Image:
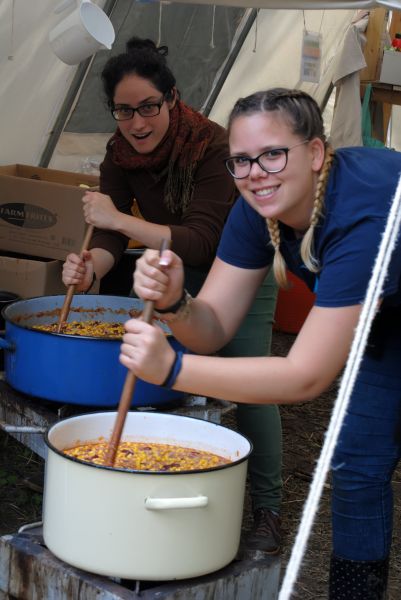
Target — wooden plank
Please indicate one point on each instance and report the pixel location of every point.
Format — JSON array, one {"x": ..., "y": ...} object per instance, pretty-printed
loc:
[
  {"x": 19, "y": 409},
  {"x": 374, "y": 44},
  {"x": 386, "y": 116},
  {"x": 28, "y": 570},
  {"x": 251, "y": 580},
  {"x": 31, "y": 571},
  {"x": 395, "y": 25},
  {"x": 23, "y": 410},
  {"x": 389, "y": 94}
]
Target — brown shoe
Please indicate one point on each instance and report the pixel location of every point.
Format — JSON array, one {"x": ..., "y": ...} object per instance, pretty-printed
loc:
[{"x": 266, "y": 534}]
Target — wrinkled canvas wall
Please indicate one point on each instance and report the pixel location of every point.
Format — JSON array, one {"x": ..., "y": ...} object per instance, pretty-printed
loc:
[
  {"x": 270, "y": 55},
  {"x": 34, "y": 82}
]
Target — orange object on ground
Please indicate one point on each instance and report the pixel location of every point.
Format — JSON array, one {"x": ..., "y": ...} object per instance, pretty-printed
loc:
[{"x": 293, "y": 305}]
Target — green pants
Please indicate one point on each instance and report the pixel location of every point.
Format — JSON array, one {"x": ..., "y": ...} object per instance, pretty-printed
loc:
[{"x": 260, "y": 423}]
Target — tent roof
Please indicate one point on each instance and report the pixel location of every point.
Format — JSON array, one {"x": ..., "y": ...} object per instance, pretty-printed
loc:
[{"x": 301, "y": 4}]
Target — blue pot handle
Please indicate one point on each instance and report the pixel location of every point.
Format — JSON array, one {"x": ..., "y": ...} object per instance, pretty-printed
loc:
[{"x": 7, "y": 345}]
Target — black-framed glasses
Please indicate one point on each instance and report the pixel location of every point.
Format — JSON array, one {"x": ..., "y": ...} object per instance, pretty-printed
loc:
[
  {"x": 271, "y": 161},
  {"x": 123, "y": 112}
]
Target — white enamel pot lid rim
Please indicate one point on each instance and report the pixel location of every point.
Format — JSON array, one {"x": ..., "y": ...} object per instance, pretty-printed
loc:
[{"x": 232, "y": 463}]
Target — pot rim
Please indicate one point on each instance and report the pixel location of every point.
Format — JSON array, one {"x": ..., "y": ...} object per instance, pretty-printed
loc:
[
  {"x": 8, "y": 319},
  {"x": 6, "y": 296},
  {"x": 141, "y": 471}
]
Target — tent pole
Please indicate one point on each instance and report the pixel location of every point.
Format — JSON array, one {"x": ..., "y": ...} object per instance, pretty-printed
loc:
[
  {"x": 64, "y": 113},
  {"x": 224, "y": 70},
  {"x": 65, "y": 110}
]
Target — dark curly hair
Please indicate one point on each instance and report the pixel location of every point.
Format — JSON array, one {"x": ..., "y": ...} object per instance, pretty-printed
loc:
[{"x": 142, "y": 58}]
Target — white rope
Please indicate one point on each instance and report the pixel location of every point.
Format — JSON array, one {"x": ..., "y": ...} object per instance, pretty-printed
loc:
[
  {"x": 211, "y": 45},
  {"x": 159, "y": 37},
  {"x": 367, "y": 315},
  {"x": 12, "y": 40},
  {"x": 256, "y": 31}
]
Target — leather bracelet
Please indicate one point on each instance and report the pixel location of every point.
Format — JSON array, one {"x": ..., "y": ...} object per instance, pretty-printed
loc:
[
  {"x": 174, "y": 307},
  {"x": 180, "y": 310},
  {"x": 174, "y": 371}
]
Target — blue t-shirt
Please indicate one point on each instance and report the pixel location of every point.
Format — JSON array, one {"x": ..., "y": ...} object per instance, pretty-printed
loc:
[{"x": 359, "y": 193}]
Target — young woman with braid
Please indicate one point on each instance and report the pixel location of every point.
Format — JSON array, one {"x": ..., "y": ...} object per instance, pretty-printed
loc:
[
  {"x": 325, "y": 213},
  {"x": 170, "y": 158}
]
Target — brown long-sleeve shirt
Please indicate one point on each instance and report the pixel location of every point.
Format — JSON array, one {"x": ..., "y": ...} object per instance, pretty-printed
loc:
[{"x": 196, "y": 233}]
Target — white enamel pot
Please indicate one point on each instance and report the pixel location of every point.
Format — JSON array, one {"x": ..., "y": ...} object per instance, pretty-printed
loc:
[{"x": 144, "y": 525}]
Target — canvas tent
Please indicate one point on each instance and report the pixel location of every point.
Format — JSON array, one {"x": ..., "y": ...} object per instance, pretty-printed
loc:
[{"x": 53, "y": 114}]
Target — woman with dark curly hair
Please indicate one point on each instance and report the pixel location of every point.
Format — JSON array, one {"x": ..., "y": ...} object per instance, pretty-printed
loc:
[{"x": 164, "y": 159}]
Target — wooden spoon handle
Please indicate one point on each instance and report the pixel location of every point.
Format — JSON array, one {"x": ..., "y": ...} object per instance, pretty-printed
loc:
[
  {"x": 129, "y": 386},
  {"x": 125, "y": 400},
  {"x": 71, "y": 288}
]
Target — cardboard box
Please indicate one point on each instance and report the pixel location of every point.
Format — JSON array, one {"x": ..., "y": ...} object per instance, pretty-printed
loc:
[
  {"x": 29, "y": 276},
  {"x": 391, "y": 67},
  {"x": 41, "y": 210}
]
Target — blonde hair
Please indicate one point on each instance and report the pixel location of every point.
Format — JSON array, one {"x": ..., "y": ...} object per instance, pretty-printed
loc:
[{"x": 310, "y": 261}]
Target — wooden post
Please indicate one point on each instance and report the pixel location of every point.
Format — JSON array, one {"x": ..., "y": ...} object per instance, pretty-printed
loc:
[
  {"x": 373, "y": 51},
  {"x": 374, "y": 44},
  {"x": 395, "y": 25}
]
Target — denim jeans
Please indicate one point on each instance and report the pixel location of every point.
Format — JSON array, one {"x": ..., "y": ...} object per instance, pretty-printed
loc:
[{"x": 366, "y": 455}]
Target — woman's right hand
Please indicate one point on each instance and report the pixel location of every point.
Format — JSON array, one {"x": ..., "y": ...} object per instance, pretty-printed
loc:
[
  {"x": 99, "y": 210},
  {"x": 78, "y": 271},
  {"x": 160, "y": 279}
]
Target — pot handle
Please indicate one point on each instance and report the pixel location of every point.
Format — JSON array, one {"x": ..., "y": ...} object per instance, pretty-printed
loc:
[
  {"x": 6, "y": 345},
  {"x": 21, "y": 428},
  {"x": 168, "y": 503}
]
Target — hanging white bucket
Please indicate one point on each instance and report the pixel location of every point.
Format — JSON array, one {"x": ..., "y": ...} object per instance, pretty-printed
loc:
[{"x": 82, "y": 33}]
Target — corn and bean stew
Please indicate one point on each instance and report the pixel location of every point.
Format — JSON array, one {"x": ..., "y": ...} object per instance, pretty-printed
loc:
[
  {"x": 91, "y": 328},
  {"x": 143, "y": 456}
]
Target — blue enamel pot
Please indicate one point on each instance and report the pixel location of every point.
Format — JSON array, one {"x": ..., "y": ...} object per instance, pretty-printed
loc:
[{"x": 73, "y": 369}]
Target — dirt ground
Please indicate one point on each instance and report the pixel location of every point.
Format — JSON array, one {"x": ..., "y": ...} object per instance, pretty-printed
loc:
[{"x": 21, "y": 480}]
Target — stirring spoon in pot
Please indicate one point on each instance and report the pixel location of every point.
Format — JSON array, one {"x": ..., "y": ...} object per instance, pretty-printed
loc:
[
  {"x": 71, "y": 288},
  {"x": 129, "y": 386}
]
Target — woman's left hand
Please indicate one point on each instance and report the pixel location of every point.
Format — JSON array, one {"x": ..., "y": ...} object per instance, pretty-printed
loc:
[
  {"x": 146, "y": 352},
  {"x": 99, "y": 210}
]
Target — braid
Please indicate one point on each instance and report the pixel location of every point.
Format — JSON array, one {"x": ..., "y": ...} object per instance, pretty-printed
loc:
[
  {"x": 307, "y": 243},
  {"x": 279, "y": 267}
]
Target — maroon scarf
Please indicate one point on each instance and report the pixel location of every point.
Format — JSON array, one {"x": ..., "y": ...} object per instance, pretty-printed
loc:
[{"x": 178, "y": 154}]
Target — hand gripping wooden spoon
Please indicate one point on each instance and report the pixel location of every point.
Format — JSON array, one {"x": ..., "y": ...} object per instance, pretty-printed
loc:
[{"x": 129, "y": 386}]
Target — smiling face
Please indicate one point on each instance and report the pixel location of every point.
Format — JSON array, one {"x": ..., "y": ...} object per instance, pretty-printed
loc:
[
  {"x": 144, "y": 134},
  {"x": 288, "y": 195}
]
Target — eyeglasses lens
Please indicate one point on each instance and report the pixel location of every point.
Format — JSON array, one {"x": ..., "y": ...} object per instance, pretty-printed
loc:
[
  {"x": 127, "y": 112},
  {"x": 272, "y": 161}
]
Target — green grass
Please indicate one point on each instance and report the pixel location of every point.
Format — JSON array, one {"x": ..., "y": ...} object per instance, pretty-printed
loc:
[{"x": 21, "y": 482}]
